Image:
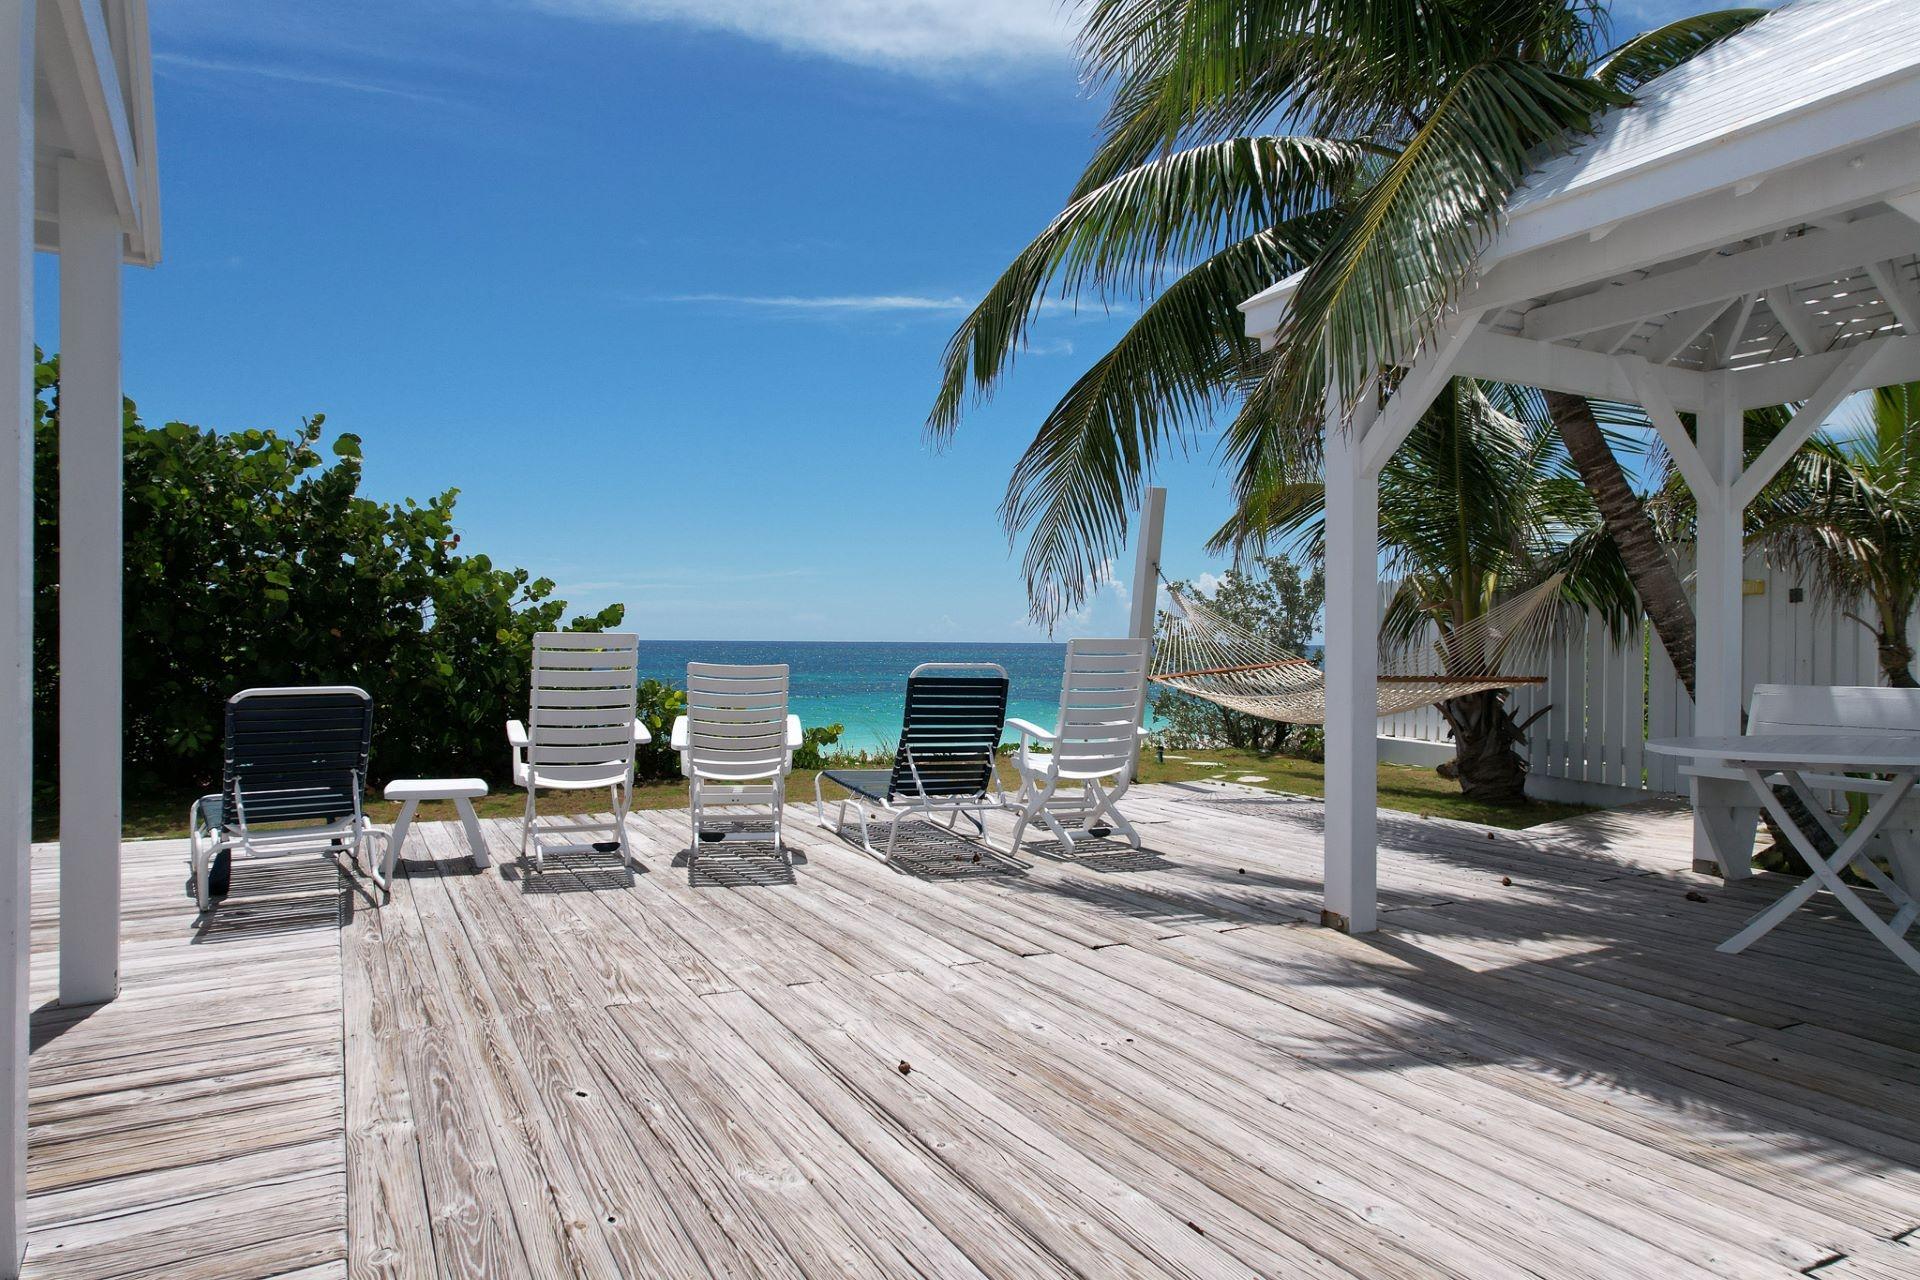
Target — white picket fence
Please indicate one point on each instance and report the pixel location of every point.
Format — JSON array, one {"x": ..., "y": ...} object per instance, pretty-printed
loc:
[{"x": 1604, "y": 702}]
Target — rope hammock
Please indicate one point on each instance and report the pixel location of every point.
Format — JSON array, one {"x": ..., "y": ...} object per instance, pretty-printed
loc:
[{"x": 1204, "y": 654}]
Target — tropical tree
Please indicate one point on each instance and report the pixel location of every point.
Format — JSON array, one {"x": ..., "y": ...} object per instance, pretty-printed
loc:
[
  {"x": 1479, "y": 504},
  {"x": 1272, "y": 597},
  {"x": 1371, "y": 144},
  {"x": 1848, "y": 510}
]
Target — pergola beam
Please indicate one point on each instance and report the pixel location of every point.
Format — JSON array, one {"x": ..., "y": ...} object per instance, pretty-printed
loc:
[
  {"x": 1652, "y": 397},
  {"x": 1854, "y": 371},
  {"x": 1728, "y": 276},
  {"x": 1417, "y": 391},
  {"x": 1786, "y": 309},
  {"x": 1903, "y": 298},
  {"x": 1500, "y": 357}
]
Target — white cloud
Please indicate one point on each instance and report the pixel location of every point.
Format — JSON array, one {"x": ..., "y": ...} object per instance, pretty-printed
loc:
[
  {"x": 183, "y": 63},
  {"x": 940, "y": 37},
  {"x": 1207, "y": 583},
  {"x": 830, "y": 302}
]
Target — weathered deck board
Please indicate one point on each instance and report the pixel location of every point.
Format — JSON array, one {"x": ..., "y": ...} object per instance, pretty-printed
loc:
[
  {"x": 194, "y": 1127},
  {"x": 1111, "y": 1064}
]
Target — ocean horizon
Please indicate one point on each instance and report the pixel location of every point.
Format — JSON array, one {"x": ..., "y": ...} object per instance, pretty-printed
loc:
[{"x": 862, "y": 684}]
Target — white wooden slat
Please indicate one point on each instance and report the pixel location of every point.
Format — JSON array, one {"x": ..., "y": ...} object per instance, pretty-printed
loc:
[
  {"x": 581, "y": 698},
  {"x": 744, "y": 672},
  {"x": 575, "y": 679},
  {"x": 581, "y": 717},
  {"x": 586, "y": 640}
]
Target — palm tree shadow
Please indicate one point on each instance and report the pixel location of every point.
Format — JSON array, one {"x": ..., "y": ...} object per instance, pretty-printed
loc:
[{"x": 1578, "y": 970}]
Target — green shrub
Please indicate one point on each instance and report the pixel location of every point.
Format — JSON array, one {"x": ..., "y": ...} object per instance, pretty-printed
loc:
[
  {"x": 252, "y": 559},
  {"x": 814, "y": 743},
  {"x": 659, "y": 704}
]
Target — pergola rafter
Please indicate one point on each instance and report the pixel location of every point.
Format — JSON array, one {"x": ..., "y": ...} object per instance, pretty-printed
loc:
[{"x": 1747, "y": 235}]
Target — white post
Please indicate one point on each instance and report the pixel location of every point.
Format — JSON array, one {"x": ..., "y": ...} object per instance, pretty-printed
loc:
[
  {"x": 1352, "y": 637},
  {"x": 16, "y": 606},
  {"x": 1718, "y": 572},
  {"x": 1146, "y": 564},
  {"x": 1146, "y": 573},
  {"x": 90, "y": 571}
]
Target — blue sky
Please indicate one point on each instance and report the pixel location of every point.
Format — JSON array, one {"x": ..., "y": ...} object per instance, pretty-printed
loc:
[{"x": 660, "y": 285}]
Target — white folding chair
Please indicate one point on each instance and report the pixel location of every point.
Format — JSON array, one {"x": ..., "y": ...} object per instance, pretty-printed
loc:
[
  {"x": 1094, "y": 747},
  {"x": 736, "y": 745},
  {"x": 579, "y": 735}
]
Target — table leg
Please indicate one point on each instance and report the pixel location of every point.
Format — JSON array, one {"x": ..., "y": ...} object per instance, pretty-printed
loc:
[
  {"x": 1826, "y": 872},
  {"x": 476, "y": 841},
  {"x": 398, "y": 836}
]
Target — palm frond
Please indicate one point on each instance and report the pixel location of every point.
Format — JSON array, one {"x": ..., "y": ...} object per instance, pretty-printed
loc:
[
  {"x": 1655, "y": 52},
  {"x": 1170, "y": 210},
  {"x": 1408, "y": 248},
  {"x": 1079, "y": 480}
]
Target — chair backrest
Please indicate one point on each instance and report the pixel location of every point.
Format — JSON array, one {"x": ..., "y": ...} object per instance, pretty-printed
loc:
[
  {"x": 580, "y": 708},
  {"x": 736, "y": 720},
  {"x": 294, "y": 754},
  {"x": 1102, "y": 698},
  {"x": 1801, "y": 708},
  {"x": 956, "y": 714}
]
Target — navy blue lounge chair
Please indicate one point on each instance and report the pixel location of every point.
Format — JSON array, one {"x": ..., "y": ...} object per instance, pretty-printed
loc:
[
  {"x": 944, "y": 765},
  {"x": 292, "y": 782}
]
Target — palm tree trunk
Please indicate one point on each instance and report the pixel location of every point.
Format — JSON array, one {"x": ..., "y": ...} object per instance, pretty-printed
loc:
[
  {"x": 1485, "y": 763},
  {"x": 1657, "y": 580},
  {"x": 1654, "y": 574},
  {"x": 1896, "y": 650}
]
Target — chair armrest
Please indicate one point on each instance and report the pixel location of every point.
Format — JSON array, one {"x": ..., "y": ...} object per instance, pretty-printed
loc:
[
  {"x": 641, "y": 734},
  {"x": 197, "y": 816},
  {"x": 794, "y": 735},
  {"x": 517, "y": 735},
  {"x": 678, "y": 739},
  {"x": 1028, "y": 729}
]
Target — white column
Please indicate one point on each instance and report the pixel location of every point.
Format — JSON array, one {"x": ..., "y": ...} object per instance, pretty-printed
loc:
[
  {"x": 1351, "y": 661},
  {"x": 16, "y": 603},
  {"x": 90, "y": 571},
  {"x": 1718, "y": 573}
]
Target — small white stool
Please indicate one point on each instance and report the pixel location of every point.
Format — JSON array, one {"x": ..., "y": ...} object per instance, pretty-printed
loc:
[{"x": 411, "y": 791}]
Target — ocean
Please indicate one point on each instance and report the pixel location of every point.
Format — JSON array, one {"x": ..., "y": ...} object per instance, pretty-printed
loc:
[{"x": 863, "y": 685}]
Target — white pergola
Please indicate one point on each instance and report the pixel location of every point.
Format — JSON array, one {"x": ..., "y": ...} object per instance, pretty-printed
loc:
[
  {"x": 1745, "y": 235},
  {"x": 77, "y": 145}
]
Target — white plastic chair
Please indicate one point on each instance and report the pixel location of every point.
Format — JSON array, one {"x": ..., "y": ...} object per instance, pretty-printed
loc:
[
  {"x": 736, "y": 745},
  {"x": 580, "y": 733},
  {"x": 1096, "y": 745}
]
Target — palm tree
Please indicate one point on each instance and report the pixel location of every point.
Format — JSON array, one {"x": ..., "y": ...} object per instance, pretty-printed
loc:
[
  {"x": 1848, "y": 509},
  {"x": 1372, "y": 143},
  {"x": 1481, "y": 503}
]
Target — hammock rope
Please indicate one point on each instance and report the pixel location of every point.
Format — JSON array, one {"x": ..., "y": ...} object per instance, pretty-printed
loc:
[{"x": 1209, "y": 656}]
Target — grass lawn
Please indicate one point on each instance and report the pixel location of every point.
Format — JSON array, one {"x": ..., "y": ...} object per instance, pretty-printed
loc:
[{"x": 1407, "y": 789}]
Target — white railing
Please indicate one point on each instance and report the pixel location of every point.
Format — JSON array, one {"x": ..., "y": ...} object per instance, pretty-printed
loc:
[{"x": 1606, "y": 698}]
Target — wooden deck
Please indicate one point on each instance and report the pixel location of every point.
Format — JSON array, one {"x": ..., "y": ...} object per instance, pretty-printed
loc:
[{"x": 1125, "y": 1065}]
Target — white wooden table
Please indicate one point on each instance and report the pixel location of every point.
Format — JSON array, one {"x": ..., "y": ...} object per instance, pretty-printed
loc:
[
  {"x": 411, "y": 791},
  {"x": 1764, "y": 759}
]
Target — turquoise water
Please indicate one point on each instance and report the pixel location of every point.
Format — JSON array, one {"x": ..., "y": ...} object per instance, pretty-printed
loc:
[{"x": 863, "y": 686}]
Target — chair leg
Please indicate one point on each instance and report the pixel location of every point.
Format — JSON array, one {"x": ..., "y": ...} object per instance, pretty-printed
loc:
[{"x": 622, "y": 804}]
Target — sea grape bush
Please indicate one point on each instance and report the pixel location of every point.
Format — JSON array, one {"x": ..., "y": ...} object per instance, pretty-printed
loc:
[
  {"x": 1277, "y": 600},
  {"x": 253, "y": 559}
]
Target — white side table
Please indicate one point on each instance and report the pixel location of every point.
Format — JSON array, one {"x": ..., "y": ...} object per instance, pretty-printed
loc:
[{"x": 411, "y": 791}]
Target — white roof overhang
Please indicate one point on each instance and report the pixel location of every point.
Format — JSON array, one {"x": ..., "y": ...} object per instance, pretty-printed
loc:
[
  {"x": 1757, "y": 213},
  {"x": 93, "y": 83}
]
